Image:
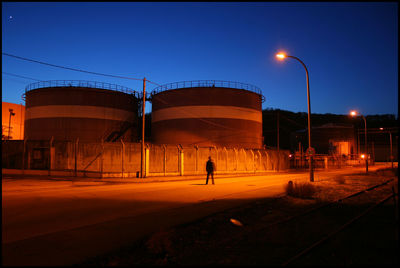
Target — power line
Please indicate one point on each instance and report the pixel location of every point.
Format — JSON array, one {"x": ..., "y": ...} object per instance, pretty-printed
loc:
[
  {"x": 14, "y": 80},
  {"x": 25, "y": 77},
  {"x": 77, "y": 70},
  {"x": 68, "y": 68}
]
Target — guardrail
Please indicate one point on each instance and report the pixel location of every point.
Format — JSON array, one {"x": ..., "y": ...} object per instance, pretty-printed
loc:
[
  {"x": 207, "y": 83},
  {"x": 80, "y": 83}
]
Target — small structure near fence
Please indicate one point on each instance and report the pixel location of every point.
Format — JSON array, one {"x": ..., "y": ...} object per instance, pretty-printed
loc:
[
  {"x": 122, "y": 159},
  {"x": 299, "y": 160}
]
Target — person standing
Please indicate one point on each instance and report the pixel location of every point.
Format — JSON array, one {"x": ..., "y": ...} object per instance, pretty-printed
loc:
[{"x": 210, "y": 168}]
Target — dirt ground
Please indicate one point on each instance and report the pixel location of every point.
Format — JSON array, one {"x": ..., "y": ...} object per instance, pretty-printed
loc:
[{"x": 247, "y": 235}]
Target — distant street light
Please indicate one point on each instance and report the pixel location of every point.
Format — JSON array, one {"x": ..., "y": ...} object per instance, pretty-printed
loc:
[
  {"x": 282, "y": 56},
  {"x": 354, "y": 113},
  {"x": 391, "y": 150},
  {"x": 9, "y": 123}
]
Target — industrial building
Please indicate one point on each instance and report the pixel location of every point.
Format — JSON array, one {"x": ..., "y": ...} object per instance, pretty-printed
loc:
[
  {"x": 12, "y": 121},
  {"x": 332, "y": 139}
]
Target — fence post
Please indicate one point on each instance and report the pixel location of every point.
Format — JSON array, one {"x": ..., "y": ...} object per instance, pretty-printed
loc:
[
  {"x": 146, "y": 161},
  {"x": 122, "y": 157},
  {"x": 279, "y": 160},
  {"x": 236, "y": 159},
  {"x": 196, "y": 159},
  {"x": 51, "y": 153},
  {"x": 254, "y": 161},
  {"x": 76, "y": 156},
  {"x": 245, "y": 159},
  {"x": 180, "y": 160},
  {"x": 226, "y": 159},
  {"x": 165, "y": 159},
  {"x": 101, "y": 158},
  {"x": 23, "y": 156},
  {"x": 216, "y": 160}
]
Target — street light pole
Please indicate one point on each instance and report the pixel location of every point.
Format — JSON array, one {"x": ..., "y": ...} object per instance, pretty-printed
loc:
[
  {"x": 366, "y": 144},
  {"x": 354, "y": 113},
  {"x": 310, "y": 153}
]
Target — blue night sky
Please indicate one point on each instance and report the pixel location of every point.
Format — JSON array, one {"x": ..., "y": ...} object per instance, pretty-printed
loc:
[{"x": 350, "y": 48}]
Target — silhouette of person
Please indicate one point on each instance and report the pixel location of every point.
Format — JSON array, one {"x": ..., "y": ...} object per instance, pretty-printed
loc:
[{"x": 210, "y": 168}]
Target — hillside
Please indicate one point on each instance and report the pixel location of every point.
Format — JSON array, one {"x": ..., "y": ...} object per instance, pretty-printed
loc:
[{"x": 290, "y": 122}]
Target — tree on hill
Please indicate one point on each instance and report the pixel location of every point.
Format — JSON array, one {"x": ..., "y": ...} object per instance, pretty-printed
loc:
[{"x": 290, "y": 122}]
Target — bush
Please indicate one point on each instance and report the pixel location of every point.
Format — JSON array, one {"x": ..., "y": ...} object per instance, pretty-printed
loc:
[
  {"x": 301, "y": 190},
  {"x": 340, "y": 180},
  {"x": 160, "y": 243}
]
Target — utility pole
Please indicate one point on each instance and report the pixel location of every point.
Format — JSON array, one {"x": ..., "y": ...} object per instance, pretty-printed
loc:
[{"x": 142, "y": 167}]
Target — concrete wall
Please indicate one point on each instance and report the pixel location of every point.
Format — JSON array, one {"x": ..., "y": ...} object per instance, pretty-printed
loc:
[{"x": 124, "y": 159}]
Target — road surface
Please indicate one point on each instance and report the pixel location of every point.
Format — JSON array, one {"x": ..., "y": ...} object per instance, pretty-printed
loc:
[{"x": 63, "y": 221}]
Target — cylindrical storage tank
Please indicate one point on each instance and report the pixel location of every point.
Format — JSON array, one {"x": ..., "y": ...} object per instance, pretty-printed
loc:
[
  {"x": 84, "y": 110},
  {"x": 207, "y": 113}
]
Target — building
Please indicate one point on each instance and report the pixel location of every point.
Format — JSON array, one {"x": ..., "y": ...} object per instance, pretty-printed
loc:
[
  {"x": 12, "y": 127},
  {"x": 332, "y": 139}
]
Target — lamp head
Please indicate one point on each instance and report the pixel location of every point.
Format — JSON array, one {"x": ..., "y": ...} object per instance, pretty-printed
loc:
[
  {"x": 353, "y": 113},
  {"x": 281, "y": 56}
]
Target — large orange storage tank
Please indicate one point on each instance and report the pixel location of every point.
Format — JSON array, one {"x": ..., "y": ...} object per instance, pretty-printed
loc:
[
  {"x": 90, "y": 111},
  {"x": 207, "y": 113}
]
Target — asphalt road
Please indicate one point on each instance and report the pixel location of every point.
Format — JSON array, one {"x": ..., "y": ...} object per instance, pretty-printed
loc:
[{"x": 63, "y": 221}]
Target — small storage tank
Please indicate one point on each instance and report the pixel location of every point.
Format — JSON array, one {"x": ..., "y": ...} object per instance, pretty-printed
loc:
[
  {"x": 90, "y": 111},
  {"x": 207, "y": 113}
]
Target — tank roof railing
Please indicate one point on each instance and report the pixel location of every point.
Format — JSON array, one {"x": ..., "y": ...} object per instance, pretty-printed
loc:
[
  {"x": 207, "y": 83},
  {"x": 80, "y": 83}
]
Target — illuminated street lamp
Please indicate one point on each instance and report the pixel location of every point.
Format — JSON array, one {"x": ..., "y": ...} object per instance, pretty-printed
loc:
[
  {"x": 391, "y": 150},
  {"x": 282, "y": 56},
  {"x": 354, "y": 113},
  {"x": 9, "y": 123}
]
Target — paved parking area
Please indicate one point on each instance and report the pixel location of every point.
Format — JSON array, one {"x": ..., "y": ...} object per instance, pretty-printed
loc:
[{"x": 62, "y": 221}]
